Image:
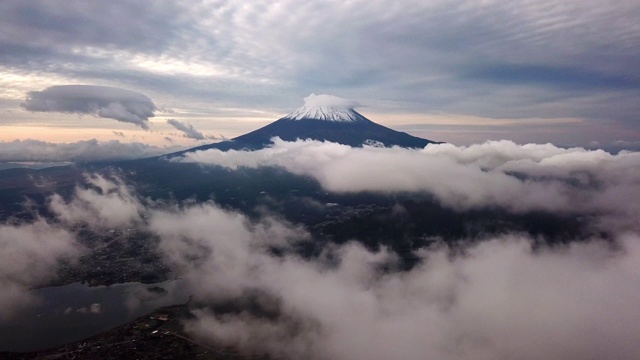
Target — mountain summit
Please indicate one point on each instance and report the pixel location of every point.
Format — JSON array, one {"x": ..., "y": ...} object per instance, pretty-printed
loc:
[
  {"x": 328, "y": 108},
  {"x": 323, "y": 118}
]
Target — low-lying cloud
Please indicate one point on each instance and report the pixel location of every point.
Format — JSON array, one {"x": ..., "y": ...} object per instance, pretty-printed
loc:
[
  {"x": 501, "y": 298},
  {"x": 507, "y": 296},
  {"x": 29, "y": 256},
  {"x": 86, "y": 150},
  {"x": 104, "y": 202},
  {"x": 31, "y": 252},
  {"x": 100, "y": 101},
  {"x": 188, "y": 130},
  {"x": 494, "y": 174}
]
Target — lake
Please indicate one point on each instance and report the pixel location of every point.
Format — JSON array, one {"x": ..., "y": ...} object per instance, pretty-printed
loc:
[{"x": 76, "y": 311}]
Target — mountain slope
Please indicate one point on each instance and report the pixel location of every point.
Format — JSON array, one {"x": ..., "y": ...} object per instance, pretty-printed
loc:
[{"x": 322, "y": 118}]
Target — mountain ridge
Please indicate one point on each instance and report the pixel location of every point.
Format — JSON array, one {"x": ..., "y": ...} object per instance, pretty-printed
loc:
[{"x": 322, "y": 118}]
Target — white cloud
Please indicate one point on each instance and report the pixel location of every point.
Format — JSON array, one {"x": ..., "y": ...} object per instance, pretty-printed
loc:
[
  {"x": 29, "y": 256},
  {"x": 503, "y": 174},
  {"x": 497, "y": 299},
  {"x": 105, "y": 203},
  {"x": 30, "y": 252},
  {"x": 326, "y": 107},
  {"x": 500, "y": 300},
  {"x": 330, "y": 101},
  {"x": 101, "y": 101}
]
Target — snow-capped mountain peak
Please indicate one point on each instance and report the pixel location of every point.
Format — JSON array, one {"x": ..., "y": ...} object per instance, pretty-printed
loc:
[
  {"x": 322, "y": 118},
  {"x": 328, "y": 108},
  {"x": 324, "y": 113}
]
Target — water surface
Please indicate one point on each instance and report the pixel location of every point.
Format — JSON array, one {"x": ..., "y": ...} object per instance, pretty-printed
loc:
[{"x": 76, "y": 311}]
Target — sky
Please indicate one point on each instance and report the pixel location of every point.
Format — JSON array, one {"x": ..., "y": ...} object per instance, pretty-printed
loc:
[{"x": 169, "y": 74}]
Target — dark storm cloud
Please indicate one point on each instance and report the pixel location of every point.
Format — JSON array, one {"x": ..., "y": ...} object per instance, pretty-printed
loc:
[{"x": 101, "y": 101}]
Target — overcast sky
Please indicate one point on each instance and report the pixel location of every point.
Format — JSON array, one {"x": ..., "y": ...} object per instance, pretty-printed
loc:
[{"x": 457, "y": 71}]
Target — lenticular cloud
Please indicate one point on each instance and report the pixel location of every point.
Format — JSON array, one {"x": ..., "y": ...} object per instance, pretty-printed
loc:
[
  {"x": 101, "y": 101},
  {"x": 330, "y": 101}
]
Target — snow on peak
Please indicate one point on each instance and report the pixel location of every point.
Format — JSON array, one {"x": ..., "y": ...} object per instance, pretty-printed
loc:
[
  {"x": 324, "y": 100},
  {"x": 326, "y": 107}
]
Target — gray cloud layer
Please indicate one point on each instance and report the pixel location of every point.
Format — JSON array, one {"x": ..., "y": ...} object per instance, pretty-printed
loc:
[
  {"x": 89, "y": 150},
  {"x": 494, "y": 59},
  {"x": 101, "y": 101},
  {"x": 30, "y": 253}
]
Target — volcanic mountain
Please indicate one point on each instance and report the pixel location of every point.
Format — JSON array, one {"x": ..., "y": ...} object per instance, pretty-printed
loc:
[{"x": 324, "y": 118}]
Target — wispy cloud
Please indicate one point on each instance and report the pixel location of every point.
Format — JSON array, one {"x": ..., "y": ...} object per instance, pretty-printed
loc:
[{"x": 188, "y": 130}]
